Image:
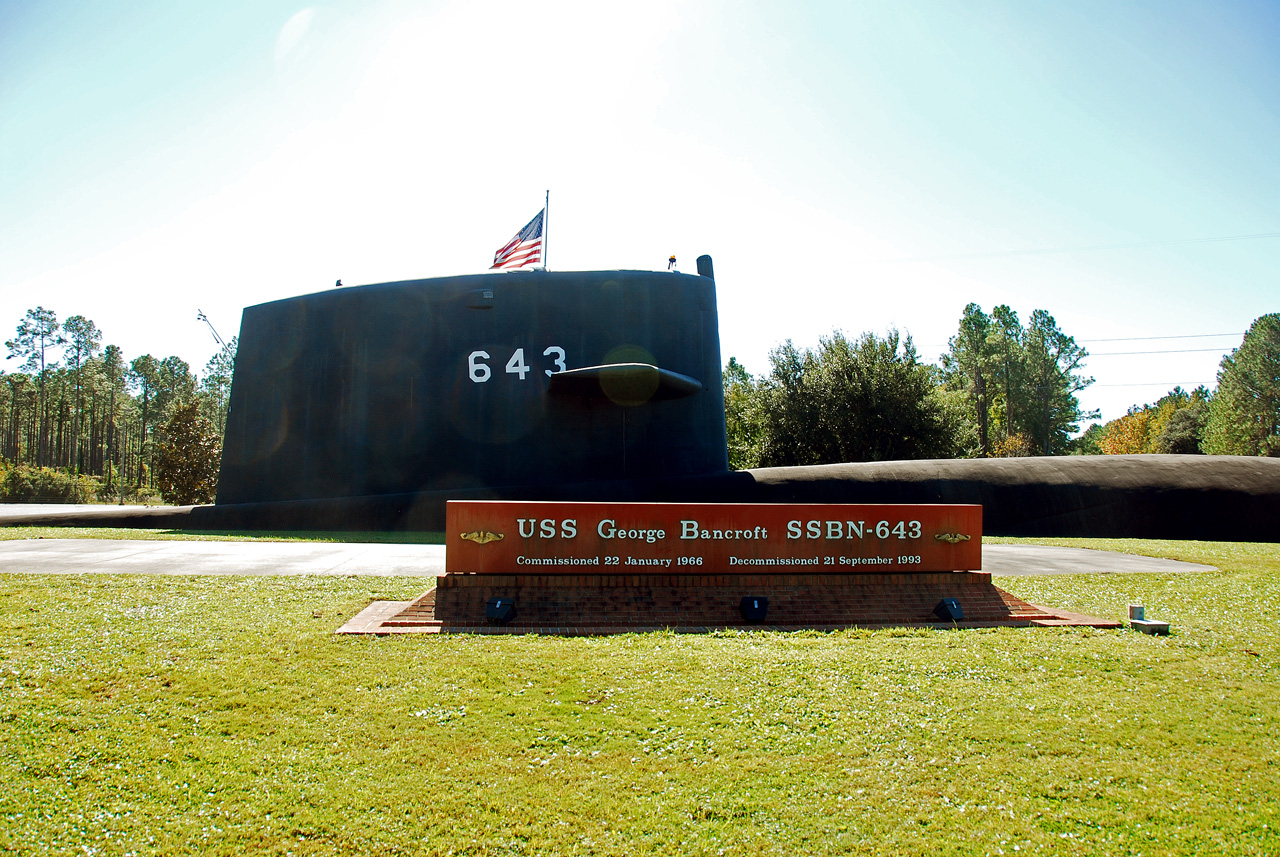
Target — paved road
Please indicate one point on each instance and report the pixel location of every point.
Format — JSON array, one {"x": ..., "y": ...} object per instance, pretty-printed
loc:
[{"x": 106, "y": 556}]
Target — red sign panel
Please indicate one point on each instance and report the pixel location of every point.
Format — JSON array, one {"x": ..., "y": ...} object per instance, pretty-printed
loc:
[{"x": 522, "y": 537}]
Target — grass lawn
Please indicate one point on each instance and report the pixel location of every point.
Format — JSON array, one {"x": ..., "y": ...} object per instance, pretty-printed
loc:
[{"x": 221, "y": 715}]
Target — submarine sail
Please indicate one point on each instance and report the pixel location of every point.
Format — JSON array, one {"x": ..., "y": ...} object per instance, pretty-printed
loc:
[{"x": 511, "y": 380}]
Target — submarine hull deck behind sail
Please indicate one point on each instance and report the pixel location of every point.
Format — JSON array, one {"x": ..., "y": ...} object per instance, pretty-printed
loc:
[{"x": 474, "y": 382}]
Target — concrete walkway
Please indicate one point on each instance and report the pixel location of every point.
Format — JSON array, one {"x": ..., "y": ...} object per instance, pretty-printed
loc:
[
  {"x": 1026, "y": 560},
  {"x": 125, "y": 556}
]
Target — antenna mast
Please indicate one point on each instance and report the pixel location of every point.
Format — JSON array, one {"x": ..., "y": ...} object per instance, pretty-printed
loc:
[{"x": 202, "y": 317}]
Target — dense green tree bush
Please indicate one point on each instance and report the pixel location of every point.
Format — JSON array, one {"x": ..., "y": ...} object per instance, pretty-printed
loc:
[
  {"x": 868, "y": 399},
  {"x": 741, "y": 422},
  {"x": 188, "y": 454},
  {"x": 25, "y": 484},
  {"x": 1184, "y": 430},
  {"x": 1174, "y": 424},
  {"x": 1244, "y": 414},
  {"x": 1087, "y": 442}
]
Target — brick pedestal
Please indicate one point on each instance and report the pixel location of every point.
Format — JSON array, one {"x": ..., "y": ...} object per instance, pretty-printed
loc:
[{"x": 618, "y": 603}]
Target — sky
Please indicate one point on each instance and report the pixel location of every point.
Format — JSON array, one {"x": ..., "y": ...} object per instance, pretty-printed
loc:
[{"x": 854, "y": 166}]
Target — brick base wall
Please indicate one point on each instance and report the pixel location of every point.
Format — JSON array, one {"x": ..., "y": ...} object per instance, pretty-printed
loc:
[{"x": 592, "y": 604}]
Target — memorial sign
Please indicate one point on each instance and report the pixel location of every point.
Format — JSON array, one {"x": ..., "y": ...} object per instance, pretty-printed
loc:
[{"x": 524, "y": 537}]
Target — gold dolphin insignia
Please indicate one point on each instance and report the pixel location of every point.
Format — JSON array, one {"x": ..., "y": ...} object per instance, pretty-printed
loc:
[
  {"x": 482, "y": 538},
  {"x": 952, "y": 538}
]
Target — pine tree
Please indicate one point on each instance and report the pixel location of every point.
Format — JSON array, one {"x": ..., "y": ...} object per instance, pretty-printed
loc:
[
  {"x": 1024, "y": 380},
  {"x": 1052, "y": 359},
  {"x": 37, "y": 334},
  {"x": 967, "y": 368},
  {"x": 1244, "y": 413},
  {"x": 83, "y": 339},
  {"x": 1007, "y": 371},
  {"x": 144, "y": 372}
]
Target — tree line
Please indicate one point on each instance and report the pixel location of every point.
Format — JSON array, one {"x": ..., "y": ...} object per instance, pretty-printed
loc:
[
  {"x": 1004, "y": 388},
  {"x": 79, "y": 421},
  {"x": 1241, "y": 417},
  {"x": 79, "y": 410}
]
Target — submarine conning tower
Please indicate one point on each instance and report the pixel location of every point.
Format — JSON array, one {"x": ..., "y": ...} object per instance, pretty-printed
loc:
[{"x": 519, "y": 379}]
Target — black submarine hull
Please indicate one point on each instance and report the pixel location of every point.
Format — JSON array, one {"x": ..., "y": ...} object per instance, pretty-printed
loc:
[
  {"x": 369, "y": 408},
  {"x": 1219, "y": 498}
]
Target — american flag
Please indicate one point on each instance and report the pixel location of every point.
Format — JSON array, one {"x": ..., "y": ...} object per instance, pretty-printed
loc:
[{"x": 524, "y": 249}]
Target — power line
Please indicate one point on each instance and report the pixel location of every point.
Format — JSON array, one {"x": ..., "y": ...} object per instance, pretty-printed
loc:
[
  {"x": 1044, "y": 251},
  {"x": 1184, "y": 336},
  {"x": 1169, "y": 384},
  {"x": 1130, "y": 339},
  {"x": 1170, "y": 351}
]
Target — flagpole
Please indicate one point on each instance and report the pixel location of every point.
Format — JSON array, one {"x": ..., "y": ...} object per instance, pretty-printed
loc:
[{"x": 546, "y": 222}]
